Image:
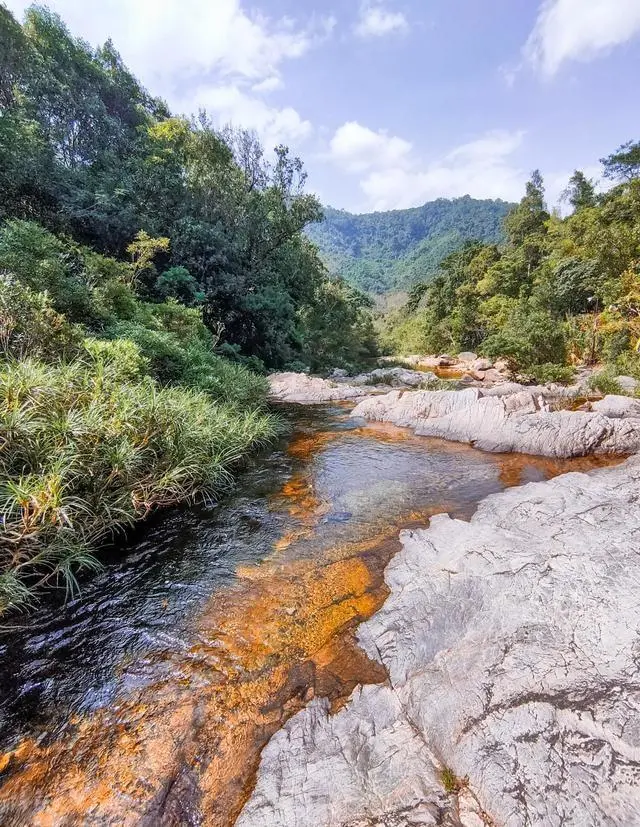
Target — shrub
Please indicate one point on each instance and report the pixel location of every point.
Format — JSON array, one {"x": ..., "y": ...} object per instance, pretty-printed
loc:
[
  {"x": 605, "y": 382},
  {"x": 86, "y": 451},
  {"x": 550, "y": 372},
  {"x": 30, "y": 326}
]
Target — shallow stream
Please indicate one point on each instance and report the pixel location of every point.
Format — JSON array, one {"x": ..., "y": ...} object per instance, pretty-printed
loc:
[{"x": 147, "y": 699}]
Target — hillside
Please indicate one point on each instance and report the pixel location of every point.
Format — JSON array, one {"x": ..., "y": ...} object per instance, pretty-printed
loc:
[{"x": 384, "y": 251}]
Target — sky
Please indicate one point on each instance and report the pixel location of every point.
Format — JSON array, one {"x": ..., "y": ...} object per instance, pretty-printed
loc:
[{"x": 391, "y": 103}]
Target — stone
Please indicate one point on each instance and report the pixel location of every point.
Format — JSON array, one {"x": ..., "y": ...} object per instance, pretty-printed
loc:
[
  {"x": 513, "y": 697},
  {"x": 494, "y": 375},
  {"x": 618, "y": 406},
  {"x": 521, "y": 420},
  {"x": 338, "y": 373},
  {"x": 446, "y": 361},
  {"x": 467, "y": 356},
  {"x": 397, "y": 376},
  {"x": 303, "y": 389},
  {"x": 628, "y": 383},
  {"x": 482, "y": 364}
]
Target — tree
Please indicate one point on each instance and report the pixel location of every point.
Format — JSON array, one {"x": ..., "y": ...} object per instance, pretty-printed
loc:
[
  {"x": 624, "y": 163},
  {"x": 580, "y": 191}
]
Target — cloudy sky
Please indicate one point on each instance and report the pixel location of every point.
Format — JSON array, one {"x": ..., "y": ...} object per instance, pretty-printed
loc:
[{"x": 394, "y": 102}]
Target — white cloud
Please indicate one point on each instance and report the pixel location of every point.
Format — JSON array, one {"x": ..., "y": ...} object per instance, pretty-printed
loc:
[
  {"x": 376, "y": 21},
  {"x": 201, "y": 53},
  {"x": 579, "y": 30},
  {"x": 232, "y": 105},
  {"x": 270, "y": 84},
  {"x": 357, "y": 148},
  {"x": 393, "y": 177}
]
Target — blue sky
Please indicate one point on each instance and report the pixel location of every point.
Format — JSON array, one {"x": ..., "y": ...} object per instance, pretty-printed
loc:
[{"x": 394, "y": 102}]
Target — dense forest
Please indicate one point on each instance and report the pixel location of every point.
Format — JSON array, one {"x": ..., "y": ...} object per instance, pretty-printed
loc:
[
  {"x": 557, "y": 292},
  {"x": 388, "y": 251},
  {"x": 151, "y": 269}
]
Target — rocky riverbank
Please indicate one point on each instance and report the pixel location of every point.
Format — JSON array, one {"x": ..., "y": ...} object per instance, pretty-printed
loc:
[{"x": 513, "y": 696}]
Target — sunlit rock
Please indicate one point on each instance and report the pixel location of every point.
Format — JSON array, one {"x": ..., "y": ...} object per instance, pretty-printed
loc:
[{"x": 513, "y": 699}]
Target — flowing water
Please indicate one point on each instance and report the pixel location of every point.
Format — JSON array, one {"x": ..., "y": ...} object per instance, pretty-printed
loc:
[{"x": 147, "y": 699}]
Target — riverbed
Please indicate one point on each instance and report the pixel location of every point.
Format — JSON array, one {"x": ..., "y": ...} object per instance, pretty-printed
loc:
[{"x": 148, "y": 698}]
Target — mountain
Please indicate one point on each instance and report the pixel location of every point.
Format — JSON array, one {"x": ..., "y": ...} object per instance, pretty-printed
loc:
[{"x": 385, "y": 251}]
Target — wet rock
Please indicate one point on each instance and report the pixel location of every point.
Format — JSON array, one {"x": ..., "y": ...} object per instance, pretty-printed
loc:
[
  {"x": 517, "y": 421},
  {"x": 298, "y": 387},
  {"x": 511, "y": 644},
  {"x": 618, "y": 406}
]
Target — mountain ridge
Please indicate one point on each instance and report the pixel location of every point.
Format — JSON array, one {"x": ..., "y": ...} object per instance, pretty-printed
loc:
[{"x": 389, "y": 250}]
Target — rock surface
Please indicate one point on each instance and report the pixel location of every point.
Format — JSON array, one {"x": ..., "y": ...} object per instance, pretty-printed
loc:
[
  {"x": 513, "y": 654},
  {"x": 519, "y": 420},
  {"x": 618, "y": 406},
  {"x": 298, "y": 387}
]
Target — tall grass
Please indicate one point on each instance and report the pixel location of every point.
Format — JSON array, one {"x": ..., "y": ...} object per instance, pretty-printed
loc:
[{"x": 89, "y": 447}]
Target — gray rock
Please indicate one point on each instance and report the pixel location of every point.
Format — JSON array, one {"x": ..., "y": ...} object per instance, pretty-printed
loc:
[
  {"x": 518, "y": 421},
  {"x": 397, "y": 376},
  {"x": 618, "y": 406},
  {"x": 628, "y": 383},
  {"x": 339, "y": 373},
  {"x": 298, "y": 387},
  {"x": 482, "y": 364},
  {"x": 467, "y": 356},
  {"x": 512, "y": 648}
]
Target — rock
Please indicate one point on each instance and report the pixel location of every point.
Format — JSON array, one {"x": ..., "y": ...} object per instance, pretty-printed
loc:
[
  {"x": 518, "y": 421},
  {"x": 618, "y": 406},
  {"x": 482, "y": 364},
  {"x": 493, "y": 375},
  {"x": 446, "y": 361},
  {"x": 338, "y": 373},
  {"x": 298, "y": 387},
  {"x": 628, "y": 383},
  {"x": 467, "y": 356},
  {"x": 511, "y": 644},
  {"x": 502, "y": 365},
  {"x": 397, "y": 377}
]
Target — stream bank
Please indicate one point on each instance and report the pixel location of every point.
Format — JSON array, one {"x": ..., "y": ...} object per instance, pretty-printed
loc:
[{"x": 150, "y": 698}]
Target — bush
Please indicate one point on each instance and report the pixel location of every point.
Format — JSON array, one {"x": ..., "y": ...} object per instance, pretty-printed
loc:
[
  {"x": 30, "y": 326},
  {"x": 86, "y": 451},
  {"x": 605, "y": 382},
  {"x": 549, "y": 372}
]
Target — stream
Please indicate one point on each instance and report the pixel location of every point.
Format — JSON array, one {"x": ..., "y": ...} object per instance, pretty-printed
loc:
[{"x": 147, "y": 699}]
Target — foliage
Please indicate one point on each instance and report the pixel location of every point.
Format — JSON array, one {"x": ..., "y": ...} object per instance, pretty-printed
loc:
[
  {"x": 605, "y": 382},
  {"x": 559, "y": 290},
  {"x": 88, "y": 448},
  {"x": 384, "y": 251},
  {"x": 190, "y": 213}
]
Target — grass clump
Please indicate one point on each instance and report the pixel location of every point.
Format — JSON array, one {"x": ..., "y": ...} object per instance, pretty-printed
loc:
[
  {"x": 89, "y": 447},
  {"x": 605, "y": 382},
  {"x": 450, "y": 781}
]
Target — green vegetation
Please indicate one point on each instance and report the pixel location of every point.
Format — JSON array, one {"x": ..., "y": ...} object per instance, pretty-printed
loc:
[
  {"x": 151, "y": 270},
  {"x": 394, "y": 250},
  {"x": 557, "y": 292}
]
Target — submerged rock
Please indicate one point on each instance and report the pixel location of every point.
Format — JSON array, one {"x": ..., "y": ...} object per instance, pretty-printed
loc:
[
  {"x": 298, "y": 387},
  {"x": 513, "y": 699},
  {"x": 520, "y": 420}
]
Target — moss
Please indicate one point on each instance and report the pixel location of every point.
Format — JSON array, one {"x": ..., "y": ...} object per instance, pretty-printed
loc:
[{"x": 450, "y": 781}]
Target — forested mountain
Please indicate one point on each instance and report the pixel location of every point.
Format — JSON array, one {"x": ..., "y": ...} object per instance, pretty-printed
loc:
[{"x": 383, "y": 251}]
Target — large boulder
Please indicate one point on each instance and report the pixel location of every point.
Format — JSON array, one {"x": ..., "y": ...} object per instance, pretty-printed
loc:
[
  {"x": 298, "y": 387},
  {"x": 618, "y": 406},
  {"x": 513, "y": 698},
  {"x": 467, "y": 356},
  {"x": 397, "y": 377},
  {"x": 520, "y": 421},
  {"x": 628, "y": 383}
]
